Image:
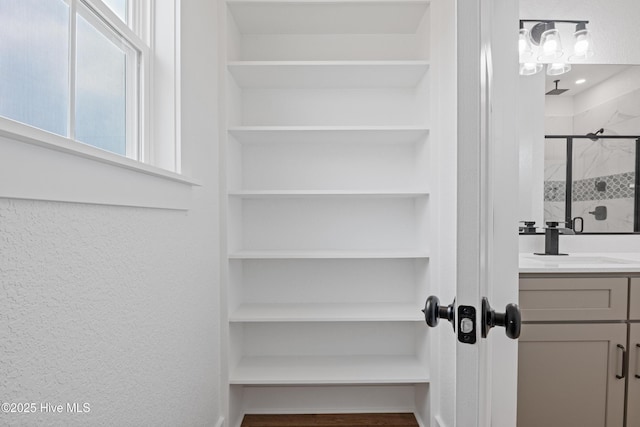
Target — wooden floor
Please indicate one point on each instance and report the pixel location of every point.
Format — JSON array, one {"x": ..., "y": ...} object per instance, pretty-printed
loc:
[{"x": 330, "y": 420}]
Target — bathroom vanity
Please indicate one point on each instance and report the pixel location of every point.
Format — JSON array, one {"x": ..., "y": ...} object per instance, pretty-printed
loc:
[{"x": 579, "y": 351}]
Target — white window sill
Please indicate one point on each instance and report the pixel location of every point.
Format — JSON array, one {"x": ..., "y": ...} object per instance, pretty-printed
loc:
[{"x": 38, "y": 165}]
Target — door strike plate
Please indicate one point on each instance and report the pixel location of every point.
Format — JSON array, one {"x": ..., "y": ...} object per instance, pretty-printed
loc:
[{"x": 466, "y": 324}]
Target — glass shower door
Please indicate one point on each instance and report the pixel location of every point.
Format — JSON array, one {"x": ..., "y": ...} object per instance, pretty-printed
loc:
[{"x": 603, "y": 183}]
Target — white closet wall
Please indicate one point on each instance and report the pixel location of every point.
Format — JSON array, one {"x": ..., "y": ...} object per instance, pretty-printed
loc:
[{"x": 329, "y": 216}]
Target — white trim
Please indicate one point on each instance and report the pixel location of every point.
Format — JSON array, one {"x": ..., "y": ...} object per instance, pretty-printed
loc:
[
  {"x": 162, "y": 147},
  {"x": 439, "y": 421},
  {"x": 104, "y": 12},
  {"x": 40, "y": 165},
  {"x": 486, "y": 372},
  {"x": 220, "y": 422},
  {"x": 31, "y": 172},
  {"x": 21, "y": 132},
  {"x": 472, "y": 196}
]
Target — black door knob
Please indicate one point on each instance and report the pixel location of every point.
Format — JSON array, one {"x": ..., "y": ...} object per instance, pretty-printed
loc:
[
  {"x": 511, "y": 319},
  {"x": 433, "y": 312}
]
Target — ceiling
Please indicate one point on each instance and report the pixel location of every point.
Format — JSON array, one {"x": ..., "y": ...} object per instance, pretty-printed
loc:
[{"x": 592, "y": 73}]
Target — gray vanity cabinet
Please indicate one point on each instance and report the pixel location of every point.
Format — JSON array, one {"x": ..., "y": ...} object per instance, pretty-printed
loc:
[
  {"x": 567, "y": 375},
  {"x": 633, "y": 391},
  {"x": 571, "y": 348},
  {"x": 634, "y": 300}
]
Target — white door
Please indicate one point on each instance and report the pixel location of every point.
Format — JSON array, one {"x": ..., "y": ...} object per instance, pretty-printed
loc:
[{"x": 479, "y": 387}]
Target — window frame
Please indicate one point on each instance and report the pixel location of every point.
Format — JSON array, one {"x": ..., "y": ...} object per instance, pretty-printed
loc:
[
  {"x": 156, "y": 177},
  {"x": 106, "y": 22}
]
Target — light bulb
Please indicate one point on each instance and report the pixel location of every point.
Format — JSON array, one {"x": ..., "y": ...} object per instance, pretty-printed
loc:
[
  {"x": 582, "y": 47},
  {"x": 529, "y": 68},
  {"x": 557, "y": 68},
  {"x": 551, "y": 45},
  {"x": 524, "y": 45}
]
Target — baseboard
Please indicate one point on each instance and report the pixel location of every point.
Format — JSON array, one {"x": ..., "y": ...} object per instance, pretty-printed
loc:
[
  {"x": 220, "y": 422},
  {"x": 439, "y": 422},
  {"x": 419, "y": 419}
]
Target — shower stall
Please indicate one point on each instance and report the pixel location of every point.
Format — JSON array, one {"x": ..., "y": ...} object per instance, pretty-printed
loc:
[{"x": 591, "y": 182}]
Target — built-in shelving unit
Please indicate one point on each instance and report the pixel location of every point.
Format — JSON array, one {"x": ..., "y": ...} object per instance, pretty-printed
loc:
[{"x": 328, "y": 183}]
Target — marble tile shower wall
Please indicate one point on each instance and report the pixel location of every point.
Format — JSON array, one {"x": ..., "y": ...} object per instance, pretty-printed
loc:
[
  {"x": 619, "y": 116},
  {"x": 609, "y": 161},
  {"x": 618, "y": 186},
  {"x": 604, "y": 157},
  {"x": 619, "y": 215},
  {"x": 617, "y": 196}
]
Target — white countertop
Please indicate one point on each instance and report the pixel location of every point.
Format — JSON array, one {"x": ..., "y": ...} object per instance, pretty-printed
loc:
[{"x": 628, "y": 262}]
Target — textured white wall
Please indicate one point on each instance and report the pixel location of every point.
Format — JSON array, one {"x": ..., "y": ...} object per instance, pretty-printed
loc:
[{"x": 119, "y": 307}]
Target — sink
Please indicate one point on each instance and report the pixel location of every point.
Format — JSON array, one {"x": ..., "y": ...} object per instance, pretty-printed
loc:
[{"x": 568, "y": 259}]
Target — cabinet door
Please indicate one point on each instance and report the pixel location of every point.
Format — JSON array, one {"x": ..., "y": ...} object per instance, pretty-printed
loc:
[
  {"x": 634, "y": 299},
  {"x": 567, "y": 375},
  {"x": 633, "y": 396}
]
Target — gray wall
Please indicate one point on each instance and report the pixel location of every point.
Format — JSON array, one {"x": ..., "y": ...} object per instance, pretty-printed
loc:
[{"x": 119, "y": 307}]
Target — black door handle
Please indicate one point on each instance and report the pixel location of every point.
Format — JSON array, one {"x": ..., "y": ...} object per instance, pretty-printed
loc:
[
  {"x": 511, "y": 319},
  {"x": 623, "y": 372},
  {"x": 638, "y": 350},
  {"x": 433, "y": 312}
]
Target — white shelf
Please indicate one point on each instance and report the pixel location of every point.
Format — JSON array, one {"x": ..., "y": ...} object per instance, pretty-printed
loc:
[
  {"x": 260, "y": 194},
  {"x": 292, "y": 370},
  {"x": 325, "y": 134},
  {"x": 293, "y": 254},
  {"x": 371, "y": 312},
  {"x": 328, "y": 17},
  {"x": 327, "y": 74}
]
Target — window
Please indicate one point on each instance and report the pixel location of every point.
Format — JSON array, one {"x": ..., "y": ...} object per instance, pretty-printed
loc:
[
  {"x": 74, "y": 68},
  {"x": 90, "y": 102}
]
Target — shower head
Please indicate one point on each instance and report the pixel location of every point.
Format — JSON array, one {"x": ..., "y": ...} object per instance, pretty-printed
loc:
[
  {"x": 556, "y": 91},
  {"x": 594, "y": 136}
]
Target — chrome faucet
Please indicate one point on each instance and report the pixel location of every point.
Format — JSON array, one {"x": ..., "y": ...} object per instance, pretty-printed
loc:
[{"x": 552, "y": 238}]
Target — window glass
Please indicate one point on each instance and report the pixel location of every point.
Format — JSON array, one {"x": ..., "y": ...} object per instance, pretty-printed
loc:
[
  {"x": 119, "y": 7},
  {"x": 34, "y": 63},
  {"x": 102, "y": 88}
]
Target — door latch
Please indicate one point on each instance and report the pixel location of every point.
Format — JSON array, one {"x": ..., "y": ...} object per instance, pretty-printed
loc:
[{"x": 467, "y": 324}]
